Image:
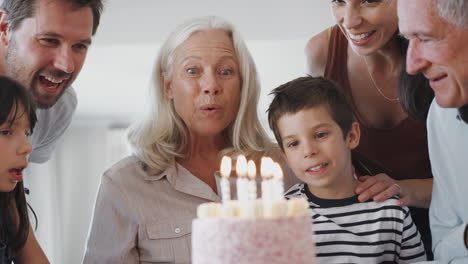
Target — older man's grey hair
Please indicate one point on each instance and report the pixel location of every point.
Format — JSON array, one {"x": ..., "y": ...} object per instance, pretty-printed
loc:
[
  {"x": 162, "y": 136},
  {"x": 455, "y": 11}
]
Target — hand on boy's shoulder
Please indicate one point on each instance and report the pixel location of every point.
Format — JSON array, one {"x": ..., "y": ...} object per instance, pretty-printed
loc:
[{"x": 380, "y": 187}]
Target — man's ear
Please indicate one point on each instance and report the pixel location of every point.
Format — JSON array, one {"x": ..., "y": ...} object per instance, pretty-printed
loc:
[
  {"x": 167, "y": 87},
  {"x": 4, "y": 34},
  {"x": 353, "y": 136}
]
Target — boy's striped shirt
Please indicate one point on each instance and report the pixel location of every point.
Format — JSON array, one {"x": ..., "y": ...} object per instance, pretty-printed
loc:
[{"x": 348, "y": 231}]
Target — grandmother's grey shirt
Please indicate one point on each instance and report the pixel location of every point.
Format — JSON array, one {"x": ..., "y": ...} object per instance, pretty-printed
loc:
[{"x": 143, "y": 218}]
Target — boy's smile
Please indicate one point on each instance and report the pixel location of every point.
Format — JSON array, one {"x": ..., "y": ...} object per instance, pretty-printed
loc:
[
  {"x": 318, "y": 153},
  {"x": 317, "y": 169}
]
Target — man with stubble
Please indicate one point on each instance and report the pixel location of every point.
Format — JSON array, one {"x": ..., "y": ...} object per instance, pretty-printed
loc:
[{"x": 43, "y": 45}]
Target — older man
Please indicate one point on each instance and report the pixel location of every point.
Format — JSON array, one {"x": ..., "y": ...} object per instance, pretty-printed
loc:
[
  {"x": 43, "y": 45},
  {"x": 438, "y": 33}
]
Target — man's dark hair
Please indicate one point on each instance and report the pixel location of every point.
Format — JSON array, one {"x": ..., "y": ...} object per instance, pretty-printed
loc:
[
  {"x": 21, "y": 9},
  {"x": 307, "y": 92}
]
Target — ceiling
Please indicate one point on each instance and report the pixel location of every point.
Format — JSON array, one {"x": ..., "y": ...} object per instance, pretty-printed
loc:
[{"x": 150, "y": 21}]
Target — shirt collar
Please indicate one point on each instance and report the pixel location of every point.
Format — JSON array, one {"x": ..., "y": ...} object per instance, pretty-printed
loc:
[
  {"x": 151, "y": 174},
  {"x": 184, "y": 181}
]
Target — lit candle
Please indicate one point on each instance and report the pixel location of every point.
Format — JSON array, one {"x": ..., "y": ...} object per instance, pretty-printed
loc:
[
  {"x": 278, "y": 181},
  {"x": 252, "y": 173},
  {"x": 225, "y": 173},
  {"x": 268, "y": 202},
  {"x": 242, "y": 181},
  {"x": 266, "y": 173}
]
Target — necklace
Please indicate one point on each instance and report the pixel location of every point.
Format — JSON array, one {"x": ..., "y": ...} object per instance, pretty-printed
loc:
[{"x": 397, "y": 99}]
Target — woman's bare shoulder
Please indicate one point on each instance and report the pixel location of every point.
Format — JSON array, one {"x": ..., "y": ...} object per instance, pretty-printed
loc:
[
  {"x": 32, "y": 252},
  {"x": 316, "y": 52}
]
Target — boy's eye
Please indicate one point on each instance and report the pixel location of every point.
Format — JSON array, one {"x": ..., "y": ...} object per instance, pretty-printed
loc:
[
  {"x": 321, "y": 135},
  {"x": 6, "y": 132},
  {"x": 292, "y": 144}
]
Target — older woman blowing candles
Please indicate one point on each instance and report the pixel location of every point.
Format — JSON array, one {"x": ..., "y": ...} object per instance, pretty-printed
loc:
[{"x": 204, "y": 105}]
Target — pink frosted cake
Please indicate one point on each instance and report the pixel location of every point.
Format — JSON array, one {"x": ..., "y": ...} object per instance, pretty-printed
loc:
[{"x": 253, "y": 232}]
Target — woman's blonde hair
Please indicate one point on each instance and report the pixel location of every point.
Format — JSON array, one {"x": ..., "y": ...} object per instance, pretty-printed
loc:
[{"x": 161, "y": 136}]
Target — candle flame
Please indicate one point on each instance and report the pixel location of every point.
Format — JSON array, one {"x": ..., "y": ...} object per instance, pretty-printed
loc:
[
  {"x": 226, "y": 167},
  {"x": 251, "y": 170},
  {"x": 277, "y": 172},
  {"x": 266, "y": 167},
  {"x": 241, "y": 166}
]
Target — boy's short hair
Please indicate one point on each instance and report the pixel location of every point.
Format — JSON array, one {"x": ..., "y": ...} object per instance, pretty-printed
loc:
[{"x": 307, "y": 92}]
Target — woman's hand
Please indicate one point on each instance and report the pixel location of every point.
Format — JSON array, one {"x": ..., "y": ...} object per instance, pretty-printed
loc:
[{"x": 380, "y": 187}]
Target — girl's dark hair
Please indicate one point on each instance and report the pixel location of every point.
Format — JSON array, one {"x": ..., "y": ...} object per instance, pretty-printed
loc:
[
  {"x": 415, "y": 93},
  {"x": 15, "y": 101}
]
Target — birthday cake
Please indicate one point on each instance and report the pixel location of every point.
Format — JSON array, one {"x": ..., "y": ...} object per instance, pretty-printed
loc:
[{"x": 267, "y": 230}]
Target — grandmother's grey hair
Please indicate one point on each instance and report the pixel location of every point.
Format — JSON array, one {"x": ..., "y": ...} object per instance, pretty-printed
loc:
[
  {"x": 455, "y": 11},
  {"x": 161, "y": 136}
]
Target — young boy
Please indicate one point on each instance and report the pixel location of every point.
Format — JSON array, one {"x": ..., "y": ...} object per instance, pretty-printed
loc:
[{"x": 314, "y": 127}]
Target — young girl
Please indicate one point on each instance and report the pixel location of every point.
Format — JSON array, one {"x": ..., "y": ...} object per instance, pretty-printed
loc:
[{"x": 17, "y": 120}]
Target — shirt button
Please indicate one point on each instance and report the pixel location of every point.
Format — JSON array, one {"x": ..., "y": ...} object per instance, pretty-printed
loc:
[{"x": 177, "y": 230}]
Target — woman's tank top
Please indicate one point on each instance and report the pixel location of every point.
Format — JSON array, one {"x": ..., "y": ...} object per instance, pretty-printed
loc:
[{"x": 401, "y": 151}]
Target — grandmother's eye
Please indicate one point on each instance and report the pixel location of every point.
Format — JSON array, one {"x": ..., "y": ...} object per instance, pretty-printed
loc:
[
  {"x": 192, "y": 71},
  {"x": 226, "y": 72}
]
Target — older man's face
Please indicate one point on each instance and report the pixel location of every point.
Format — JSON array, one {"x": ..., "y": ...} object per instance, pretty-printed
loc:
[{"x": 437, "y": 48}]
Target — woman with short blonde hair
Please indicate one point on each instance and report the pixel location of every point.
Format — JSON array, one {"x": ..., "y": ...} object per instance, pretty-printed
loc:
[
  {"x": 203, "y": 105},
  {"x": 162, "y": 135}
]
